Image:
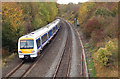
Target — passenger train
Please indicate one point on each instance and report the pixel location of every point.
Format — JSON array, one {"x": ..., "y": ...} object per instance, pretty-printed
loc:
[{"x": 30, "y": 45}]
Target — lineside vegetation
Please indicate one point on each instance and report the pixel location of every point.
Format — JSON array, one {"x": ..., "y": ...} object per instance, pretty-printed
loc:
[{"x": 100, "y": 26}]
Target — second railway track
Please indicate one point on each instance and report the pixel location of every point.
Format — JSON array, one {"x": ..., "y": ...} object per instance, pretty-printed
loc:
[{"x": 64, "y": 64}]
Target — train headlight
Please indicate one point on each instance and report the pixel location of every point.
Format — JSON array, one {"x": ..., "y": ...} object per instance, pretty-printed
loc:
[
  {"x": 20, "y": 52},
  {"x": 33, "y": 51}
]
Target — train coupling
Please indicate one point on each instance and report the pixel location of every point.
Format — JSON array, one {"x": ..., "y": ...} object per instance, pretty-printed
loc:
[{"x": 27, "y": 57}]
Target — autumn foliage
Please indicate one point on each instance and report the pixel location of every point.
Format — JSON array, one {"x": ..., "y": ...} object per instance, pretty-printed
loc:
[
  {"x": 85, "y": 12},
  {"x": 99, "y": 24},
  {"x": 12, "y": 25},
  {"x": 91, "y": 25},
  {"x": 104, "y": 55}
]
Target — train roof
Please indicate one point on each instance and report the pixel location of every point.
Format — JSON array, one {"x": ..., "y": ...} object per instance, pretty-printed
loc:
[{"x": 41, "y": 31}]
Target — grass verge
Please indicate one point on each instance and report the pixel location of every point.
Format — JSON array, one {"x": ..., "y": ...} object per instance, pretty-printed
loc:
[{"x": 91, "y": 68}]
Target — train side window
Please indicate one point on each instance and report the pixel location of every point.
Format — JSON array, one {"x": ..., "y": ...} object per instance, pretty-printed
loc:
[
  {"x": 44, "y": 38},
  {"x": 57, "y": 26},
  {"x": 54, "y": 29},
  {"x": 49, "y": 33},
  {"x": 38, "y": 43}
]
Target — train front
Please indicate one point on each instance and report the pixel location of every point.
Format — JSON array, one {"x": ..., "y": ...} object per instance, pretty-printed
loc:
[{"x": 26, "y": 48}]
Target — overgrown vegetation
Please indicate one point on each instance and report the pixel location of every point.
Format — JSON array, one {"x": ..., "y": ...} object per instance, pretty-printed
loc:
[
  {"x": 69, "y": 11},
  {"x": 21, "y": 18},
  {"x": 99, "y": 24}
]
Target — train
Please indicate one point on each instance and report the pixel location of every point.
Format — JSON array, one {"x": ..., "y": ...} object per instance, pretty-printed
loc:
[{"x": 30, "y": 45}]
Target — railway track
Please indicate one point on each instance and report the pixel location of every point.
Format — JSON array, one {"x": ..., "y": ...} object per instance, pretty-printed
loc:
[
  {"x": 65, "y": 67},
  {"x": 23, "y": 68},
  {"x": 64, "y": 64}
]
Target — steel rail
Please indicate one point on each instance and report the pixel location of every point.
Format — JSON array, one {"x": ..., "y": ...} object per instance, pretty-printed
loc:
[
  {"x": 83, "y": 52},
  {"x": 84, "y": 57},
  {"x": 14, "y": 70},
  {"x": 60, "y": 60},
  {"x": 31, "y": 66}
]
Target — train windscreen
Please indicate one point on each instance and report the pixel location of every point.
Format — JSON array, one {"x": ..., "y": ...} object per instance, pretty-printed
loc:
[{"x": 26, "y": 44}]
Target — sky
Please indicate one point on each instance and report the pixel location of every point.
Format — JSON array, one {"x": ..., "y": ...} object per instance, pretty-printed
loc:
[{"x": 68, "y": 1}]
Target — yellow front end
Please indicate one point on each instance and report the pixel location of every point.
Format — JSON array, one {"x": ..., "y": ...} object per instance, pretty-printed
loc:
[{"x": 26, "y": 51}]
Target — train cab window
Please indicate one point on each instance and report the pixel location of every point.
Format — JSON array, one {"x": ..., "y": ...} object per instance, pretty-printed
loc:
[
  {"x": 38, "y": 43},
  {"x": 44, "y": 38},
  {"x": 26, "y": 44}
]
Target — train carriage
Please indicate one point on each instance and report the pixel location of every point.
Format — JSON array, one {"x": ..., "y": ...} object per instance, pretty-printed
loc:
[{"x": 30, "y": 45}]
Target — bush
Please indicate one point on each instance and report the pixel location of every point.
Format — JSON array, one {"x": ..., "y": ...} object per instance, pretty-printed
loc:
[
  {"x": 85, "y": 12},
  {"x": 104, "y": 56},
  {"x": 91, "y": 26},
  {"x": 97, "y": 36},
  {"x": 114, "y": 11},
  {"x": 12, "y": 22},
  {"x": 104, "y": 12}
]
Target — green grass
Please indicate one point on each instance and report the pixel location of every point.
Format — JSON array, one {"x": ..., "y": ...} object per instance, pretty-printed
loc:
[
  {"x": 89, "y": 47},
  {"x": 91, "y": 67}
]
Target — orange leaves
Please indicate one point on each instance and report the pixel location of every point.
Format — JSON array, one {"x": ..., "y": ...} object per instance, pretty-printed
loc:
[
  {"x": 12, "y": 14},
  {"x": 84, "y": 11}
]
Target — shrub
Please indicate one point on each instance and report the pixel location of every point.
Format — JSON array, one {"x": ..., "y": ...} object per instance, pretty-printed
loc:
[
  {"x": 97, "y": 36},
  {"x": 114, "y": 11},
  {"x": 91, "y": 26},
  {"x": 104, "y": 12},
  {"x": 104, "y": 56},
  {"x": 85, "y": 11},
  {"x": 12, "y": 22}
]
